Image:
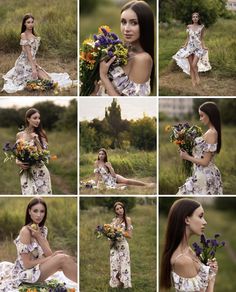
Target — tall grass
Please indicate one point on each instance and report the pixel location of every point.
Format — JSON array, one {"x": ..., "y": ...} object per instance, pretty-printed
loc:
[
  {"x": 219, "y": 39},
  {"x": 63, "y": 171},
  {"x": 217, "y": 222},
  {"x": 94, "y": 254},
  {"x": 61, "y": 223},
  {"x": 55, "y": 23},
  {"x": 171, "y": 175}
]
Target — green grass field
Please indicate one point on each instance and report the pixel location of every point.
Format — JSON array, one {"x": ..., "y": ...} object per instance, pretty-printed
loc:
[
  {"x": 220, "y": 41},
  {"x": 217, "y": 222},
  {"x": 171, "y": 175},
  {"x": 94, "y": 253},
  {"x": 134, "y": 164},
  {"x": 63, "y": 171},
  {"x": 61, "y": 223}
]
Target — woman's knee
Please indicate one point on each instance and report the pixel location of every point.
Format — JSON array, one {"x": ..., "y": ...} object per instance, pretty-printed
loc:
[{"x": 61, "y": 258}]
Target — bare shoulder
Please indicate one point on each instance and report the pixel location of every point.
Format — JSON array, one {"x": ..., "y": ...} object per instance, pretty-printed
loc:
[
  {"x": 211, "y": 136},
  {"x": 19, "y": 135},
  {"x": 23, "y": 36},
  {"x": 183, "y": 265},
  {"x": 189, "y": 25},
  {"x": 96, "y": 163},
  {"x": 25, "y": 235},
  {"x": 128, "y": 220},
  {"x": 141, "y": 68}
]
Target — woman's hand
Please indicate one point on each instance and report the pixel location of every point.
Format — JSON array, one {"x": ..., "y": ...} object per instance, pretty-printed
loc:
[
  {"x": 34, "y": 73},
  {"x": 205, "y": 48},
  {"x": 183, "y": 154},
  {"x": 36, "y": 233},
  {"x": 104, "y": 67},
  {"x": 213, "y": 267},
  {"x": 22, "y": 165},
  {"x": 34, "y": 136}
]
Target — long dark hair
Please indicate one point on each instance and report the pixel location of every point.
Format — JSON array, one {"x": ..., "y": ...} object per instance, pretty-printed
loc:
[
  {"x": 26, "y": 17},
  {"x": 199, "y": 18},
  {"x": 146, "y": 27},
  {"x": 175, "y": 232},
  {"x": 105, "y": 152},
  {"x": 211, "y": 109},
  {"x": 124, "y": 215},
  {"x": 33, "y": 202},
  {"x": 39, "y": 130}
]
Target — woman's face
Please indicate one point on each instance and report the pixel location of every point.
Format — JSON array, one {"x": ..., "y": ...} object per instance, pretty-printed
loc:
[
  {"x": 37, "y": 213},
  {"x": 101, "y": 155},
  {"x": 29, "y": 23},
  {"x": 129, "y": 26},
  {"x": 196, "y": 221},
  {"x": 195, "y": 18},
  {"x": 203, "y": 117},
  {"x": 34, "y": 120},
  {"x": 119, "y": 210}
]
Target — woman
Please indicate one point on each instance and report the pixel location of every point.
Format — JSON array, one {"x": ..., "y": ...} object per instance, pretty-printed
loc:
[
  {"x": 137, "y": 77},
  {"x": 206, "y": 177},
  {"x": 26, "y": 67},
  {"x": 35, "y": 179},
  {"x": 193, "y": 56},
  {"x": 35, "y": 260},
  {"x": 119, "y": 253},
  {"x": 180, "y": 266},
  {"x": 104, "y": 169}
]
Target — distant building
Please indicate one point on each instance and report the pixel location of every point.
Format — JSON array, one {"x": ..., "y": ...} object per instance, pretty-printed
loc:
[
  {"x": 231, "y": 5},
  {"x": 176, "y": 107}
]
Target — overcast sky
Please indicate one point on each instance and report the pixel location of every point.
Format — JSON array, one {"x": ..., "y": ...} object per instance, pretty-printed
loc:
[
  {"x": 131, "y": 108},
  {"x": 19, "y": 101}
]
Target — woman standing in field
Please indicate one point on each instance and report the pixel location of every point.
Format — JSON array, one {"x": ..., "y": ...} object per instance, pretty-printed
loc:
[
  {"x": 180, "y": 266},
  {"x": 206, "y": 177},
  {"x": 35, "y": 179},
  {"x": 119, "y": 253},
  {"x": 137, "y": 77},
  {"x": 104, "y": 169},
  {"x": 26, "y": 67},
  {"x": 193, "y": 56},
  {"x": 35, "y": 260}
]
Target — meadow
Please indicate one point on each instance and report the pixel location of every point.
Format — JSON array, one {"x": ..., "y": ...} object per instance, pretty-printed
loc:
[
  {"x": 61, "y": 224},
  {"x": 94, "y": 253},
  {"x": 63, "y": 171},
  {"x": 171, "y": 175},
  {"x": 135, "y": 164},
  {"x": 220, "y": 41},
  {"x": 58, "y": 48},
  {"x": 217, "y": 222}
]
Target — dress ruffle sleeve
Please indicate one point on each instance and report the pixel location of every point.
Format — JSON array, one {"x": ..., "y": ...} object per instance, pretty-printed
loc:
[
  {"x": 210, "y": 147},
  {"x": 25, "y": 42},
  {"x": 24, "y": 248}
]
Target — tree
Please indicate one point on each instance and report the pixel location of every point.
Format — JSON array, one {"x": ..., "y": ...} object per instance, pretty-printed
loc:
[
  {"x": 68, "y": 118},
  {"x": 87, "y": 137}
]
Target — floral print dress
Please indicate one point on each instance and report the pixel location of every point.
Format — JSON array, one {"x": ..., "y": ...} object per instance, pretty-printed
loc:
[
  {"x": 194, "y": 47},
  {"x": 108, "y": 179},
  {"x": 205, "y": 180},
  {"x": 120, "y": 261},
  {"x": 12, "y": 275},
  {"x": 124, "y": 86},
  {"x": 36, "y": 180},
  {"x": 16, "y": 79}
]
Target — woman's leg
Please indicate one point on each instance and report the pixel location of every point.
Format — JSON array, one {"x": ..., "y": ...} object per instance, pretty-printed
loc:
[
  {"x": 190, "y": 60},
  {"x": 195, "y": 68},
  {"x": 58, "y": 262},
  {"x": 42, "y": 74},
  {"x": 122, "y": 180}
]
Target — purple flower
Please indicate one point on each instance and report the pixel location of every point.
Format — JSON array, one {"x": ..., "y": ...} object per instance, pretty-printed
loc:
[
  {"x": 217, "y": 235},
  {"x": 223, "y": 243},
  {"x": 104, "y": 31},
  {"x": 7, "y": 147},
  {"x": 115, "y": 37},
  {"x": 212, "y": 253},
  {"x": 110, "y": 54}
]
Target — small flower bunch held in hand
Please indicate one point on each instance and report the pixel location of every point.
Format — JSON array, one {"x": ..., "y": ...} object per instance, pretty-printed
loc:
[
  {"x": 110, "y": 232},
  {"x": 206, "y": 249},
  {"x": 34, "y": 226},
  {"x": 48, "y": 286},
  {"x": 184, "y": 136},
  {"x": 40, "y": 85},
  {"x": 25, "y": 152},
  {"x": 104, "y": 46}
]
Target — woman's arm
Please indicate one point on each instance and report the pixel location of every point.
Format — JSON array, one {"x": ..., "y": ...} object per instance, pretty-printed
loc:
[
  {"x": 128, "y": 232},
  {"x": 41, "y": 240},
  {"x": 202, "y": 37},
  {"x": 30, "y": 58},
  {"x": 28, "y": 262},
  {"x": 111, "y": 169}
]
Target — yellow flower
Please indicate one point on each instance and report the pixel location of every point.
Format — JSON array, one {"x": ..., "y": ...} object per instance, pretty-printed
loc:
[
  {"x": 167, "y": 128},
  {"x": 106, "y": 27},
  {"x": 89, "y": 42}
]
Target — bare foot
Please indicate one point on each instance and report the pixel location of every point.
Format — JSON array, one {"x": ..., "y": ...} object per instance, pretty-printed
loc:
[{"x": 151, "y": 185}]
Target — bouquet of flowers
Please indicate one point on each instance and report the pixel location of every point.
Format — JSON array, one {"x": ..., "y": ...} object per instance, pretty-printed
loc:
[
  {"x": 184, "y": 135},
  {"x": 109, "y": 231},
  {"x": 48, "y": 286},
  {"x": 103, "y": 46},
  {"x": 40, "y": 84},
  {"x": 206, "y": 250}
]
